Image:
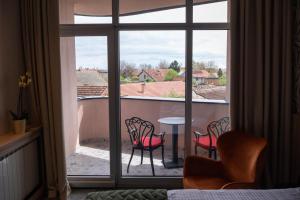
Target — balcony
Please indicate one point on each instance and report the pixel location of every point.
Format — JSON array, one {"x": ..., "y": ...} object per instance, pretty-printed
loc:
[{"x": 88, "y": 151}]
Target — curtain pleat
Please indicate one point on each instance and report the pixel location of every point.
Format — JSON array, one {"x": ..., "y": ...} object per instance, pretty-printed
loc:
[
  {"x": 261, "y": 81},
  {"x": 40, "y": 30}
]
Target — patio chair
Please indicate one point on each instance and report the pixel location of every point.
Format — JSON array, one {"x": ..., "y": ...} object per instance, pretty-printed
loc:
[
  {"x": 142, "y": 137},
  {"x": 208, "y": 141}
]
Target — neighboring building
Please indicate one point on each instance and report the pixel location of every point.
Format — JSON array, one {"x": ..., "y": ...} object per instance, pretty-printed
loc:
[
  {"x": 91, "y": 77},
  {"x": 92, "y": 82},
  {"x": 172, "y": 89},
  {"x": 157, "y": 75},
  {"x": 210, "y": 92},
  {"x": 86, "y": 90},
  {"x": 154, "y": 89},
  {"x": 203, "y": 77},
  {"x": 212, "y": 79}
]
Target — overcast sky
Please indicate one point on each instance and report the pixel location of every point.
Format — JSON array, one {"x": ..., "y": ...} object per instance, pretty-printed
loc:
[{"x": 150, "y": 47}]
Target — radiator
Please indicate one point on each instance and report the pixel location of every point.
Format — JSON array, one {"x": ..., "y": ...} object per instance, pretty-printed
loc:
[{"x": 20, "y": 172}]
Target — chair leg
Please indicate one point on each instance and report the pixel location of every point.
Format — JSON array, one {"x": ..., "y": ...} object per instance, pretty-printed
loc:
[
  {"x": 215, "y": 154},
  {"x": 132, "y": 152},
  {"x": 151, "y": 160},
  {"x": 142, "y": 155},
  {"x": 163, "y": 155},
  {"x": 195, "y": 149},
  {"x": 209, "y": 153}
]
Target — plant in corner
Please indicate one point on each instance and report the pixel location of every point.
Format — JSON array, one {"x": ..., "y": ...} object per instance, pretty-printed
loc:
[{"x": 19, "y": 117}]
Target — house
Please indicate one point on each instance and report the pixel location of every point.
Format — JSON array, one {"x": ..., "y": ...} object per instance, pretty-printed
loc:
[
  {"x": 203, "y": 77},
  {"x": 152, "y": 75},
  {"x": 91, "y": 82}
]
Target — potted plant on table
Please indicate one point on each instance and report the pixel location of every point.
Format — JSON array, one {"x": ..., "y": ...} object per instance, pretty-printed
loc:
[{"x": 19, "y": 117}]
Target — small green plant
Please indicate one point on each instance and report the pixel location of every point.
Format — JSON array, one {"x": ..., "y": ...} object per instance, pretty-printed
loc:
[
  {"x": 171, "y": 75},
  {"x": 222, "y": 80}
]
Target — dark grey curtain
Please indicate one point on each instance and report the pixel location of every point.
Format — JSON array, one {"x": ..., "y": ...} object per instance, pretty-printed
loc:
[
  {"x": 40, "y": 30},
  {"x": 261, "y": 81},
  {"x": 296, "y": 63}
]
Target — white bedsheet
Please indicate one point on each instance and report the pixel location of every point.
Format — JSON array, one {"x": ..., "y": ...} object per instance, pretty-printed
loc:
[{"x": 275, "y": 194}]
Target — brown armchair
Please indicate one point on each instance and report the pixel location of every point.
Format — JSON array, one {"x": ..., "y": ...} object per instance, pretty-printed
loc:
[{"x": 240, "y": 165}]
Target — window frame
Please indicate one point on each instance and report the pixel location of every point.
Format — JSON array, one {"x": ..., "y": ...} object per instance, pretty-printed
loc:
[{"x": 112, "y": 30}]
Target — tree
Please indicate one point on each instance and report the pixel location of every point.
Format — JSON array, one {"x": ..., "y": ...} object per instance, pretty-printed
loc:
[
  {"x": 211, "y": 67},
  {"x": 220, "y": 73},
  {"x": 222, "y": 80},
  {"x": 175, "y": 66},
  {"x": 198, "y": 65},
  {"x": 171, "y": 75},
  {"x": 126, "y": 69},
  {"x": 163, "y": 64}
]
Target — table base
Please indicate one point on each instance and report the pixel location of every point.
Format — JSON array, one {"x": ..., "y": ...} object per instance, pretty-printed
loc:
[{"x": 171, "y": 164}]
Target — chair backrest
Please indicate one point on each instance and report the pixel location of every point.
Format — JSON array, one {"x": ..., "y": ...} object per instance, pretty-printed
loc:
[
  {"x": 217, "y": 128},
  {"x": 241, "y": 155},
  {"x": 139, "y": 129}
]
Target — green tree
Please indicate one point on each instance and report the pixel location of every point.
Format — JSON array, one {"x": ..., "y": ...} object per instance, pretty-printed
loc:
[
  {"x": 222, "y": 80},
  {"x": 171, "y": 75},
  {"x": 220, "y": 73},
  {"x": 175, "y": 66}
]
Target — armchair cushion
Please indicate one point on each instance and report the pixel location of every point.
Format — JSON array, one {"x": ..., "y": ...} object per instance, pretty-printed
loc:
[
  {"x": 156, "y": 141},
  {"x": 204, "y": 141},
  {"x": 201, "y": 166}
]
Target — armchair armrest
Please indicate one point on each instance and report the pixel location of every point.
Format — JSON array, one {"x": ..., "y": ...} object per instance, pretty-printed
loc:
[
  {"x": 239, "y": 185},
  {"x": 201, "y": 166}
]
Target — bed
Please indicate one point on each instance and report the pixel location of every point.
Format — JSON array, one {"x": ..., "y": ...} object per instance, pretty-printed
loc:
[{"x": 274, "y": 194}]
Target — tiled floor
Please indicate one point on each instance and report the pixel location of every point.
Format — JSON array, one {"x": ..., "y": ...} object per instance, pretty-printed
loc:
[{"x": 92, "y": 158}]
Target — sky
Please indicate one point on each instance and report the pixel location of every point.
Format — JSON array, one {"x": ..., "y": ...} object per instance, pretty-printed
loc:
[{"x": 151, "y": 47}]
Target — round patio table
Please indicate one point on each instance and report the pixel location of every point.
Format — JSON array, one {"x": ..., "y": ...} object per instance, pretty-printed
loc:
[{"x": 174, "y": 122}]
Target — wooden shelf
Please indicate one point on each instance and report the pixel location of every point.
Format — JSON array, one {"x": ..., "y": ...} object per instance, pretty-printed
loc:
[{"x": 10, "y": 142}]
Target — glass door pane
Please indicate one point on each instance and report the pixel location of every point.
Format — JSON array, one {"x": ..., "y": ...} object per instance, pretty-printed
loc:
[
  {"x": 87, "y": 135},
  {"x": 152, "y": 91},
  {"x": 210, "y": 90}
]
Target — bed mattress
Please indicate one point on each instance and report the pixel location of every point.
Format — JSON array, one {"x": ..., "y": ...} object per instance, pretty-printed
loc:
[{"x": 274, "y": 194}]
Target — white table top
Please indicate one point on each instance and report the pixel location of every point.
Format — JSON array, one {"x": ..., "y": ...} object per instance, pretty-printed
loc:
[{"x": 172, "y": 120}]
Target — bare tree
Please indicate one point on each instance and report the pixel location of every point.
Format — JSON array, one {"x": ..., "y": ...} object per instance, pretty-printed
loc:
[
  {"x": 163, "y": 64},
  {"x": 145, "y": 66},
  {"x": 127, "y": 69}
]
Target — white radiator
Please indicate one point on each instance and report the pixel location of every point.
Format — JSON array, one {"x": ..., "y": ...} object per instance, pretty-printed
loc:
[{"x": 20, "y": 172}]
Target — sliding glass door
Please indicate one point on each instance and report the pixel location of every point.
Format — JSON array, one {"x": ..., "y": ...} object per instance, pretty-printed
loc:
[
  {"x": 139, "y": 79},
  {"x": 87, "y": 71}
]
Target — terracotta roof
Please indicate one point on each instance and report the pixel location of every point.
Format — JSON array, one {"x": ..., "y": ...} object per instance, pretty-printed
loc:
[
  {"x": 170, "y": 88},
  {"x": 92, "y": 90},
  {"x": 91, "y": 77},
  {"x": 201, "y": 74},
  {"x": 211, "y": 92},
  {"x": 153, "y": 89},
  {"x": 156, "y": 74}
]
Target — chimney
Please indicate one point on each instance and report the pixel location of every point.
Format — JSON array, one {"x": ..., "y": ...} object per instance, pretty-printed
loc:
[{"x": 143, "y": 87}]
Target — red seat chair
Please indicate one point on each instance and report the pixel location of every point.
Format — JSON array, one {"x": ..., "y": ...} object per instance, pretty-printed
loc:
[
  {"x": 142, "y": 137},
  {"x": 208, "y": 140}
]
